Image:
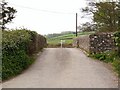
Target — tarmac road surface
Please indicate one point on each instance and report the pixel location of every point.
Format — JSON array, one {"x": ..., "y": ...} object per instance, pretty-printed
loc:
[{"x": 64, "y": 68}]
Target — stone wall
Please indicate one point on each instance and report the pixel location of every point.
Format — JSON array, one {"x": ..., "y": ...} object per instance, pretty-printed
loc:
[
  {"x": 101, "y": 42},
  {"x": 95, "y": 43},
  {"x": 82, "y": 42}
]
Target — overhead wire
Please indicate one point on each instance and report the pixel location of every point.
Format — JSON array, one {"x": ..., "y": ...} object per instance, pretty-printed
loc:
[{"x": 42, "y": 10}]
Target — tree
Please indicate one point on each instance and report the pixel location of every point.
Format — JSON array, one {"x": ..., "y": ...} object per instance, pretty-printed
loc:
[
  {"x": 6, "y": 14},
  {"x": 119, "y": 15},
  {"x": 105, "y": 14},
  {"x": 88, "y": 27}
]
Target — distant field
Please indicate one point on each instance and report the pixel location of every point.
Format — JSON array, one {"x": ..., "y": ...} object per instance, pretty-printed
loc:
[{"x": 68, "y": 38}]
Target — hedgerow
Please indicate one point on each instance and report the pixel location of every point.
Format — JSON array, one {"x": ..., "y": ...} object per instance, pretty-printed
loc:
[{"x": 17, "y": 47}]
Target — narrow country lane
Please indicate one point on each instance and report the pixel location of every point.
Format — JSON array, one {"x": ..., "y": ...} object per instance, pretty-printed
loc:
[{"x": 64, "y": 68}]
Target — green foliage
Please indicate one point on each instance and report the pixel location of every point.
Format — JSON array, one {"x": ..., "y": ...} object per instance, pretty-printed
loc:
[
  {"x": 109, "y": 57},
  {"x": 14, "y": 63},
  {"x": 117, "y": 40},
  {"x": 116, "y": 65},
  {"x": 7, "y": 14},
  {"x": 99, "y": 56},
  {"x": 105, "y": 14},
  {"x": 17, "y": 46}
]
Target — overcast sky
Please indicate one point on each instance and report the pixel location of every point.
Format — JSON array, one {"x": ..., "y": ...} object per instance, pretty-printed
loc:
[{"x": 47, "y": 16}]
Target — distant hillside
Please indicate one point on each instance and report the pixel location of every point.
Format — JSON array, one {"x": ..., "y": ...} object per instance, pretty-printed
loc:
[
  {"x": 59, "y": 34},
  {"x": 68, "y": 38}
]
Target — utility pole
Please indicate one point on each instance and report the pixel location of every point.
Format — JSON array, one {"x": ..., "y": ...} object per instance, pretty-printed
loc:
[{"x": 76, "y": 25}]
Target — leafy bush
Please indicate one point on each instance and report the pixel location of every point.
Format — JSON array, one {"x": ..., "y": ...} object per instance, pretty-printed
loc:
[
  {"x": 17, "y": 46},
  {"x": 100, "y": 56},
  {"x": 109, "y": 57},
  {"x": 116, "y": 64},
  {"x": 117, "y": 40}
]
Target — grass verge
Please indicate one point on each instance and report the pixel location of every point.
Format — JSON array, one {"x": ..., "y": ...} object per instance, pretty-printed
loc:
[{"x": 109, "y": 57}]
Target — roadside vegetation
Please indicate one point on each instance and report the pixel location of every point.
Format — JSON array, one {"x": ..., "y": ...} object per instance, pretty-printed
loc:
[
  {"x": 110, "y": 57},
  {"x": 18, "y": 47},
  {"x": 106, "y": 18}
]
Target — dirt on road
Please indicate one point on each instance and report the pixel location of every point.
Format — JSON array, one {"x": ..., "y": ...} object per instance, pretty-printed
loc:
[{"x": 64, "y": 68}]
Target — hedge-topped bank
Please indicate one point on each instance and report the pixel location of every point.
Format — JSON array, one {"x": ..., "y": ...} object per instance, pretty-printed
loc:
[{"x": 17, "y": 47}]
